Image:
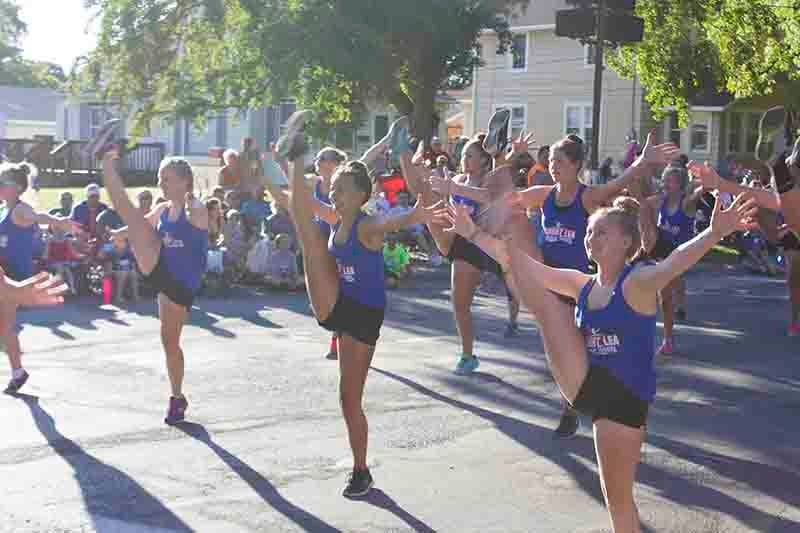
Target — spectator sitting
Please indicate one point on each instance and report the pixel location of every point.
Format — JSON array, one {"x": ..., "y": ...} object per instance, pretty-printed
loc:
[
  {"x": 123, "y": 270},
  {"x": 431, "y": 155},
  {"x": 230, "y": 175},
  {"x": 233, "y": 201},
  {"x": 280, "y": 223},
  {"x": 256, "y": 211},
  {"x": 396, "y": 260},
  {"x": 145, "y": 200},
  {"x": 236, "y": 245},
  {"x": 63, "y": 258},
  {"x": 415, "y": 233},
  {"x": 283, "y": 270},
  {"x": 215, "y": 223},
  {"x": 86, "y": 212},
  {"x": 66, "y": 205},
  {"x": 107, "y": 222}
]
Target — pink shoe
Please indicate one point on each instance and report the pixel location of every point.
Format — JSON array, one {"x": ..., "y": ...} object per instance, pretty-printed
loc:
[
  {"x": 666, "y": 347},
  {"x": 794, "y": 329}
]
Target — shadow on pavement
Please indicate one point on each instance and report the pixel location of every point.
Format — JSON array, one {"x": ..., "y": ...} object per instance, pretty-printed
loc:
[
  {"x": 114, "y": 501},
  {"x": 257, "y": 482},
  {"x": 380, "y": 499}
]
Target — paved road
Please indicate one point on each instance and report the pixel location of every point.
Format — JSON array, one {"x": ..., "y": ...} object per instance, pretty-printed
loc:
[{"x": 86, "y": 450}]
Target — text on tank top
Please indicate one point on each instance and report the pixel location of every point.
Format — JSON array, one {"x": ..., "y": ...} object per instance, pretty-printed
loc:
[
  {"x": 563, "y": 230},
  {"x": 185, "y": 249}
]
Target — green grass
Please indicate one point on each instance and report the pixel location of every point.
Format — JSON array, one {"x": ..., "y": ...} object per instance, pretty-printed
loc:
[{"x": 48, "y": 197}]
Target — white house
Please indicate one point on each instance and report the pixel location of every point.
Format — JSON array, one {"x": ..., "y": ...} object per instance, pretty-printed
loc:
[{"x": 26, "y": 112}]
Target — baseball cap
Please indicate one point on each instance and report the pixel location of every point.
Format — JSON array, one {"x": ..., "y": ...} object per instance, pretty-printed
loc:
[{"x": 92, "y": 189}]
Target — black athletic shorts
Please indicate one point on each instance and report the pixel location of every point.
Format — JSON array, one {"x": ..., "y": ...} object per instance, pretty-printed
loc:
[
  {"x": 162, "y": 281},
  {"x": 662, "y": 249},
  {"x": 470, "y": 253},
  {"x": 355, "y": 319},
  {"x": 603, "y": 395}
]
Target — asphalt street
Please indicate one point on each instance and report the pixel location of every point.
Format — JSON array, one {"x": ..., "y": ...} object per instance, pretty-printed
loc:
[{"x": 85, "y": 448}]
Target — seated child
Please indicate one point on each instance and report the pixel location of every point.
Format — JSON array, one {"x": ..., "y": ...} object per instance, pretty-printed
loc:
[
  {"x": 283, "y": 270},
  {"x": 123, "y": 269},
  {"x": 63, "y": 258},
  {"x": 395, "y": 261}
]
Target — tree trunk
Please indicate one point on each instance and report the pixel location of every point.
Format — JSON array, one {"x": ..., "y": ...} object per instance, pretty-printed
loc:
[{"x": 424, "y": 111}]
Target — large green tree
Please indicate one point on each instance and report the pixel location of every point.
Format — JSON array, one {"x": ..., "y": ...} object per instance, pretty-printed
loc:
[
  {"x": 749, "y": 48},
  {"x": 14, "y": 69},
  {"x": 192, "y": 57}
]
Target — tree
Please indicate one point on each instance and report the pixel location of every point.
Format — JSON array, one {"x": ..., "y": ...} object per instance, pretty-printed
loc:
[
  {"x": 748, "y": 48},
  {"x": 199, "y": 56},
  {"x": 14, "y": 69}
]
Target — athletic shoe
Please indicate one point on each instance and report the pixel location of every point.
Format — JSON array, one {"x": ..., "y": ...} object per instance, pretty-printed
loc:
[
  {"x": 793, "y": 161},
  {"x": 497, "y": 137},
  {"x": 467, "y": 365},
  {"x": 666, "y": 348},
  {"x": 568, "y": 426},
  {"x": 771, "y": 126},
  {"x": 794, "y": 329},
  {"x": 105, "y": 135},
  {"x": 177, "y": 410},
  {"x": 512, "y": 330},
  {"x": 359, "y": 483},
  {"x": 397, "y": 138},
  {"x": 680, "y": 314},
  {"x": 292, "y": 145},
  {"x": 17, "y": 383}
]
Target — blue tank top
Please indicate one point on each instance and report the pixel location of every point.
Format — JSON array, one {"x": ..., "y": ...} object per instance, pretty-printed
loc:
[
  {"x": 563, "y": 232},
  {"x": 619, "y": 339},
  {"x": 677, "y": 227},
  {"x": 185, "y": 249},
  {"x": 16, "y": 247},
  {"x": 474, "y": 206},
  {"x": 361, "y": 276}
]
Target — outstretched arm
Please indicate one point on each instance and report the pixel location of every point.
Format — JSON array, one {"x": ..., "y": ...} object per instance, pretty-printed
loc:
[
  {"x": 41, "y": 289},
  {"x": 738, "y": 216},
  {"x": 24, "y": 215},
  {"x": 707, "y": 178},
  {"x": 376, "y": 227},
  {"x": 566, "y": 282},
  {"x": 653, "y": 155}
]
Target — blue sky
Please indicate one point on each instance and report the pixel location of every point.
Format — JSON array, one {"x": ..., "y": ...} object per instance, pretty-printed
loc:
[{"x": 57, "y": 30}]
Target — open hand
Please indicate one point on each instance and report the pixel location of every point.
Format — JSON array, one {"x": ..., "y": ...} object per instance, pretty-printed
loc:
[
  {"x": 657, "y": 154},
  {"x": 41, "y": 289},
  {"x": 433, "y": 214},
  {"x": 460, "y": 218},
  {"x": 522, "y": 144},
  {"x": 440, "y": 185},
  {"x": 740, "y": 216},
  {"x": 704, "y": 175}
]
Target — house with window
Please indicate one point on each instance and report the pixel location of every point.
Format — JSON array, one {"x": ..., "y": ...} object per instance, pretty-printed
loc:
[
  {"x": 27, "y": 112},
  {"x": 547, "y": 82}
]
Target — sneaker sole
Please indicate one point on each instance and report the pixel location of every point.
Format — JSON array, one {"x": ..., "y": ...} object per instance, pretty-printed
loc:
[
  {"x": 770, "y": 125},
  {"x": 498, "y": 121},
  {"x": 294, "y": 127},
  {"x": 100, "y": 141}
]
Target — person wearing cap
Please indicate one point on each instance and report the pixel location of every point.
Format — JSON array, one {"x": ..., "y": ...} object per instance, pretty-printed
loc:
[
  {"x": 85, "y": 213},
  {"x": 66, "y": 205}
]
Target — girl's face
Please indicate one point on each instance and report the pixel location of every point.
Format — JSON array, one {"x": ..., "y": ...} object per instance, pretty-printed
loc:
[
  {"x": 672, "y": 184},
  {"x": 561, "y": 168},
  {"x": 173, "y": 186},
  {"x": 344, "y": 195},
  {"x": 473, "y": 161},
  {"x": 9, "y": 190},
  {"x": 605, "y": 241}
]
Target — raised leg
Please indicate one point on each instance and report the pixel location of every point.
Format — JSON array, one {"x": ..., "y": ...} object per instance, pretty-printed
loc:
[
  {"x": 145, "y": 242},
  {"x": 322, "y": 275},
  {"x": 355, "y": 359}
]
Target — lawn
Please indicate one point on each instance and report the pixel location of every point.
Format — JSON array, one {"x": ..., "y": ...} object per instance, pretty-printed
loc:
[{"x": 48, "y": 197}]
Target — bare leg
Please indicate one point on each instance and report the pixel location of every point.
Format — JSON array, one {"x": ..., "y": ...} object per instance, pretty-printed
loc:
[
  {"x": 667, "y": 310},
  {"x": 618, "y": 450},
  {"x": 134, "y": 281},
  {"x": 564, "y": 343},
  {"x": 8, "y": 331},
  {"x": 790, "y": 204},
  {"x": 173, "y": 317},
  {"x": 144, "y": 239},
  {"x": 322, "y": 275},
  {"x": 680, "y": 293},
  {"x": 119, "y": 286},
  {"x": 465, "y": 279},
  {"x": 355, "y": 359}
]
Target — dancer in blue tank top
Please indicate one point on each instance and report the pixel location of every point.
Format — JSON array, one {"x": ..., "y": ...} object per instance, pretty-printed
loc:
[
  {"x": 601, "y": 352},
  {"x": 171, "y": 248},
  {"x": 17, "y": 230},
  {"x": 566, "y": 207},
  {"x": 345, "y": 277},
  {"x": 675, "y": 210}
]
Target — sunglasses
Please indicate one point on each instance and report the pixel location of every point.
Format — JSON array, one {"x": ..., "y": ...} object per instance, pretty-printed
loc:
[{"x": 8, "y": 183}]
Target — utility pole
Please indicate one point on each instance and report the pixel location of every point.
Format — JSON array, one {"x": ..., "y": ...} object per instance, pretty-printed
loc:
[{"x": 598, "y": 84}]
